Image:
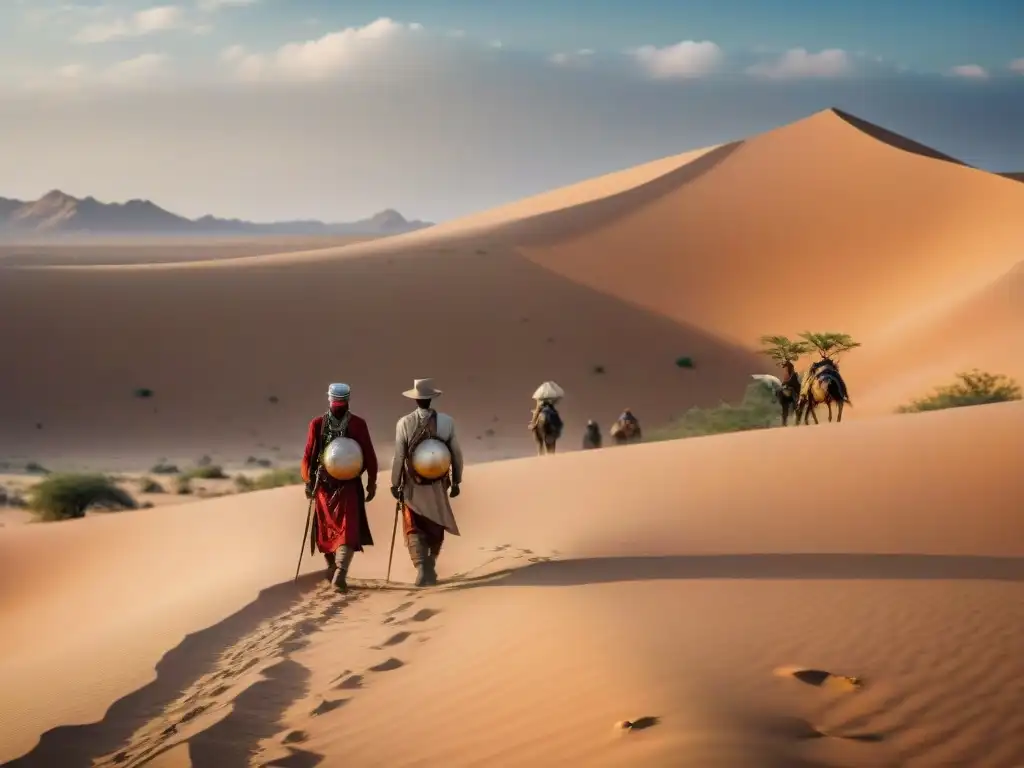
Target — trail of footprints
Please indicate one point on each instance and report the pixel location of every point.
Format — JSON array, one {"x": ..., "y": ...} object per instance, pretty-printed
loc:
[{"x": 272, "y": 643}]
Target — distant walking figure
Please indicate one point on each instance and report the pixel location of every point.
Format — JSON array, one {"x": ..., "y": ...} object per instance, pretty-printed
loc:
[{"x": 545, "y": 421}]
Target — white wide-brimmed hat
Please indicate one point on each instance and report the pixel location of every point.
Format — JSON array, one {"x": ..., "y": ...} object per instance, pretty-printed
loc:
[
  {"x": 422, "y": 389},
  {"x": 549, "y": 391}
]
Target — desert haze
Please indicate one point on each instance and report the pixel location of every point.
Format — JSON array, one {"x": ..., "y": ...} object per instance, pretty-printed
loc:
[
  {"x": 842, "y": 595},
  {"x": 59, "y": 215}
]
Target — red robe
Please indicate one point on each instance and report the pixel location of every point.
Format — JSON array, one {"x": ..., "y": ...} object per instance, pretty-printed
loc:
[{"x": 340, "y": 506}]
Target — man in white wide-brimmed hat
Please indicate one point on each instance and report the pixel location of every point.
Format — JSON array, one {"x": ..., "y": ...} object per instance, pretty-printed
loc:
[{"x": 426, "y": 509}]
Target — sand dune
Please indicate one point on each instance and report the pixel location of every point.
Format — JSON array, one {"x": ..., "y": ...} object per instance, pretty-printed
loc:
[
  {"x": 696, "y": 255},
  {"x": 719, "y": 593},
  {"x": 638, "y": 597}
]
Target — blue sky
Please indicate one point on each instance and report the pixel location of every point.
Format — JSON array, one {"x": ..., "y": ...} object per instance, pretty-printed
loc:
[{"x": 355, "y": 106}]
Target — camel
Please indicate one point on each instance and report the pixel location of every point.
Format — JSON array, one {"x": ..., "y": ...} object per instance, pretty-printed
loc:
[
  {"x": 546, "y": 426},
  {"x": 626, "y": 429},
  {"x": 785, "y": 395},
  {"x": 823, "y": 384}
]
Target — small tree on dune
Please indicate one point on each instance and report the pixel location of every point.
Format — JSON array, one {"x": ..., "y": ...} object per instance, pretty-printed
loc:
[
  {"x": 829, "y": 345},
  {"x": 783, "y": 350}
]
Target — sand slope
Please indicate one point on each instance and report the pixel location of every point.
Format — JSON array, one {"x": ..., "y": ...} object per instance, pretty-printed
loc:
[
  {"x": 695, "y": 256},
  {"x": 672, "y": 588}
]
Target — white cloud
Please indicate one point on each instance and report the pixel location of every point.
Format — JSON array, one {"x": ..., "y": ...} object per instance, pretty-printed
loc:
[
  {"x": 210, "y": 6},
  {"x": 1017, "y": 65},
  {"x": 324, "y": 57},
  {"x": 800, "y": 63},
  {"x": 71, "y": 71},
  {"x": 688, "y": 58},
  {"x": 496, "y": 44},
  {"x": 78, "y": 77},
  {"x": 576, "y": 58},
  {"x": 138, "y": 70},
  {"x": 970, "y": 71},
  {"x": 145, "y": 22},
  {"x": 233, "y": 53}
]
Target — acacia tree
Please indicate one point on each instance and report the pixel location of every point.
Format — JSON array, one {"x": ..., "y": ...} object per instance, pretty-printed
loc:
[
  {"x": 783, "y": 350},
  {"x": 829, "y": 345}
]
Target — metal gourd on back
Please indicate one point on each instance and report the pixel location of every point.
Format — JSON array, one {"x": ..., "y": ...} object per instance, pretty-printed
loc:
[
  {"x": 431, "y": 459},
  {"x": 342, "y": 459}
]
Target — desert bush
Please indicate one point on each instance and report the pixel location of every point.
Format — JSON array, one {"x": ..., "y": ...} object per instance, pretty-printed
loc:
[
  {"x": 684, "y": 362},
  {"x": 757, "y": 410},
  {"x": 149, "y": 485},
  {"x": 69, "y": 495},
  {"x": 971, "y": 388},
  {"x": 206, "y": 472},
  {"x": 183, "y": 485},
  {"x": 163, "y": 468},
  {"x": 254, "y": 461},
  {"x": 35, "y": 468},
  {"x": 204, "y": 461},
  {"x": 275, "y": 478}
]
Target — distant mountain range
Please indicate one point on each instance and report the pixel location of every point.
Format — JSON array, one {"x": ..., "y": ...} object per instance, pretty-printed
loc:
[{"x": 57, "y": 213}]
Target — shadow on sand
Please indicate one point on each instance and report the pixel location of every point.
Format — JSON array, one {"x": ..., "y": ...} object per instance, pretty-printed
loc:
[
  {"x": 839, "y": 566},
  {"x": 75, "y": 746}
]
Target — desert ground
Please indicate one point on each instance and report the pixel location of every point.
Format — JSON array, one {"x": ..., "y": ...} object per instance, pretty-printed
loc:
[{"x": 835, "y": 595}]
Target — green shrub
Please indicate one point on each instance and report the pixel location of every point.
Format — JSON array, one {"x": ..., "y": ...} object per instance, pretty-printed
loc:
[
  {"x": 69, "y": 495},
  {"x": 149, "y": 485},
  {"x": 758, "y": 410},
  {"x": 684, "y": 362},
  {"x": 35, "y": 468},
  {"x": 275, "y": 478},
  {"x": 972, "y": 388},
  {"x": 207, "y": 472},
  {"x": 183, "y": 485},
  {"x": 163, "y": 468}
]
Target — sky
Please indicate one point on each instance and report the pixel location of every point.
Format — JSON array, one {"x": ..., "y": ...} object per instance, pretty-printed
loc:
[{"x": 336, "y": 109}]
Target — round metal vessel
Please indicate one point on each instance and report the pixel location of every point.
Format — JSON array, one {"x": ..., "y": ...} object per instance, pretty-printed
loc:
[
  {"x": 431, "y": 460},
  {"x": 343, "y": 458}
]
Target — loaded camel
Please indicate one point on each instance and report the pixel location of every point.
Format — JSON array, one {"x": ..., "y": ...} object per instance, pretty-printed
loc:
[
  {"x": 823, "y": 382},
  {"x": 545, "y": 421}
]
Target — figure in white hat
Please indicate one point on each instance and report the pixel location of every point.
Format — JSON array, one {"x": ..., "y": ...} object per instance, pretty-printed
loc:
[
  {"x": 425, "y": 473},
  {"x": 340, "y": 527},
  {"x": 545, "y": 422}
]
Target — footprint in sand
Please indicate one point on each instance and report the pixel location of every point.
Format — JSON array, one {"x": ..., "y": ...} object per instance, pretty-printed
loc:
[
  {"x": 637, "y": 724},
  {"x": 399, "y": 609},
  {"x": 820, "y": 678},
  {"x": 387, "y": 666},
  {"x": 395, "y": 639},
  {"x": 422, "y": 615},
  {"x": 327, "y": 705},
  {"x": 350, "y": 683},
  {"x": 801, "y": 730},
  {"x": 296, "y": 759}
]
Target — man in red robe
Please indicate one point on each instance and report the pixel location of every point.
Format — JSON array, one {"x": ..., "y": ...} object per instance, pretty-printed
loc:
[{"x": 340, "y": 527}]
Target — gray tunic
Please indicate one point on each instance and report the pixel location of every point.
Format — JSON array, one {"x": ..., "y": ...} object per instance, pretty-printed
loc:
[{"x": 431, "y": 501}]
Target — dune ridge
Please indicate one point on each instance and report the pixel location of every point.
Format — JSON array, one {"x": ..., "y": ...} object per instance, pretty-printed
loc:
[{"x": 697, "y": 254}]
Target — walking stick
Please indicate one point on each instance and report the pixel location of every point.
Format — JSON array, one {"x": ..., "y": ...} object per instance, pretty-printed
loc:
[
  {"x": 394, "y": 534},
  {"x": 305, "y": 531}
]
